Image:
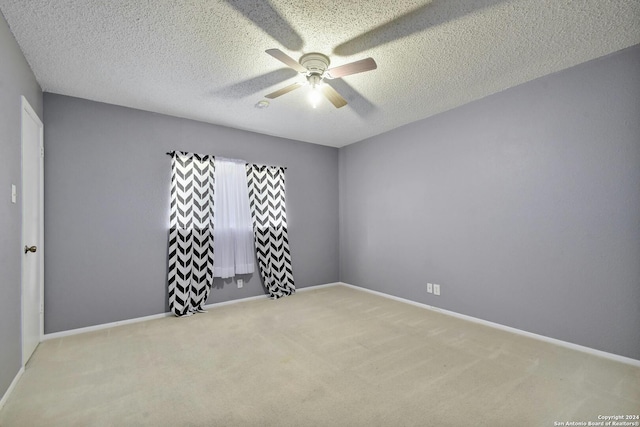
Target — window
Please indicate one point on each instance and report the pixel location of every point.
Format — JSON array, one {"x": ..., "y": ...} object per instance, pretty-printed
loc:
[{"x": 233, "y": 229}]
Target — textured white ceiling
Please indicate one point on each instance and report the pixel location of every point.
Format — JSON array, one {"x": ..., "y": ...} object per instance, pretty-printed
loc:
[{"x": 205, "y": 60}]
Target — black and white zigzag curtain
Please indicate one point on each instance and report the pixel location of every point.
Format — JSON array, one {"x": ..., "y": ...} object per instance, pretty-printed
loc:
[
  {"x": 268, "y": 212},
  {"x": 191, "y": 232}
]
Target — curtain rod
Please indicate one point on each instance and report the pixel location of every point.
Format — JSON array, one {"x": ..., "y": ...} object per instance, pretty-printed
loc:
[{"x": 169, "y": 153}]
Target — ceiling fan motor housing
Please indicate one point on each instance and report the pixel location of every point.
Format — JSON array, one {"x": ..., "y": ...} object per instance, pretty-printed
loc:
[{"x": 316, "y": 63}]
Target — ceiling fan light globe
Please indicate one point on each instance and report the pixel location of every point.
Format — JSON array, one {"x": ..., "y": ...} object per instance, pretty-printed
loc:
[{"x": 315, "y": 96}]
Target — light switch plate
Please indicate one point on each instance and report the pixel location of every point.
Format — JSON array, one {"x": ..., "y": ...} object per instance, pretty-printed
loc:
[{"x": 14, "y": 193}]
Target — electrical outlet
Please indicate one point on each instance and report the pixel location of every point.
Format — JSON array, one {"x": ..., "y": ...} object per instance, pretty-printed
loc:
[
  {"x": 436, "y": 289},
  {"x": 430, "y": 288},
  {"x": 240, "y": 283},
  {"x": 14, "y": 193}
]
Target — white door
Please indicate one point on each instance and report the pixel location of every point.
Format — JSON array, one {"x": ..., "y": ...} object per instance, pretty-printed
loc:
[{"x": 32, "y": 230}]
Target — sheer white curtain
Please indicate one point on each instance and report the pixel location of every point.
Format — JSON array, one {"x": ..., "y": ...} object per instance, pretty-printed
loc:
[{"x": 233, "y": 229}]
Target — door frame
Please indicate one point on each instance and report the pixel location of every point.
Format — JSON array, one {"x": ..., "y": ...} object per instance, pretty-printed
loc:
[{"x": 27, "y": 109}]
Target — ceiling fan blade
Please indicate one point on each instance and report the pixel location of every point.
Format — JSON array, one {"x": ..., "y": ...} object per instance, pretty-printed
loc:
[
  {"x": 286, "y": 59},
  {"x": 334, "y": 97},
  {"x": 352, "y": 68},
  {"x": 284, "y": 90}
]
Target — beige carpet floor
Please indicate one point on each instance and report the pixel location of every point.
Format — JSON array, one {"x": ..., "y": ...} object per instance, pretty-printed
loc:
[{"x": 331, "y": 356}]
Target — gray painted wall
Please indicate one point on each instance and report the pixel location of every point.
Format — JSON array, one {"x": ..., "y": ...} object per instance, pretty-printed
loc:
[
  {"x": 107, "y": 208},
  {"x": 16, "y": 79},
  {"x": 524, "y": 206}
]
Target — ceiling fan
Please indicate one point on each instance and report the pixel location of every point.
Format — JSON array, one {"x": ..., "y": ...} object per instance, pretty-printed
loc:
[{"x": 315, "y": 67}]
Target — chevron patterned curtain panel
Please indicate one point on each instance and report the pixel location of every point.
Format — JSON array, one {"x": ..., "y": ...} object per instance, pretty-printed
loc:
[
  {"x": 269, "y": 216},
  {"x": 191, "y": 232}
]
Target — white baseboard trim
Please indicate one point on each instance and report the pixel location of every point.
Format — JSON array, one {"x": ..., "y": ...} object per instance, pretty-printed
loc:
[
  {"x": 7, "y": 393},
  {"x": 555, "y": 341},
  {"x": 77, "y": 331},
  {"x": 311, "y": 288},
  {"x": 230, "y": 302},
  {"x": 93, "y": 328}
]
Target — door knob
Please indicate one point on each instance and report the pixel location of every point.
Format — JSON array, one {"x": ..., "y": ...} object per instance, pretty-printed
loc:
[{"x": 30, "y": 249}]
